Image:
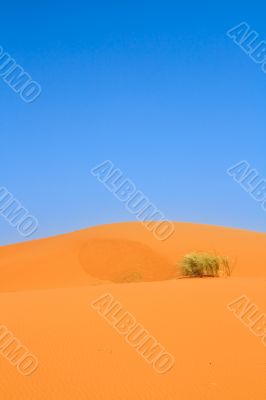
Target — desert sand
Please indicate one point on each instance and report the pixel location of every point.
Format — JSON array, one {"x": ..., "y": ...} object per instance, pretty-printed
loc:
[{"x": 47, "y": 287}]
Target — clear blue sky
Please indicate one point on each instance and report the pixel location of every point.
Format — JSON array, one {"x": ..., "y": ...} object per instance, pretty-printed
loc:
[{"x": 156, "y": 87}]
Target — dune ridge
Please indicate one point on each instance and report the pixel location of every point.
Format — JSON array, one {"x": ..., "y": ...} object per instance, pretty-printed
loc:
[{"x": 113, "y": 252}]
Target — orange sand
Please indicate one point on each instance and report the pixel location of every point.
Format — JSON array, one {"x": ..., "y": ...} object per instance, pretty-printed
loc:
[{"x": 47, "y": 286}]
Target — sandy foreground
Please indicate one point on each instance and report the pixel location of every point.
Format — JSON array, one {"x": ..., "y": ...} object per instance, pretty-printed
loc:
[{"x": 48, "y": 287}]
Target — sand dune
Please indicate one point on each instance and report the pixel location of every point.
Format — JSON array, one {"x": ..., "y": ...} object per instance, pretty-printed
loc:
[
  {"x": 47, "y": 287},
  {"x": 109, "y": 252}
]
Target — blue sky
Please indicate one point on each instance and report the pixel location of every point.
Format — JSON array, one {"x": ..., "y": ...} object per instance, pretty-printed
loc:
[{"x": 157, "y": 88}]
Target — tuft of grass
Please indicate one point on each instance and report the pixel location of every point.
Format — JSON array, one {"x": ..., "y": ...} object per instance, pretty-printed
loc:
[{"x": 197, "y": 264}]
